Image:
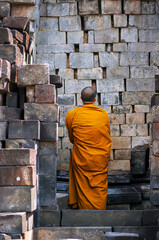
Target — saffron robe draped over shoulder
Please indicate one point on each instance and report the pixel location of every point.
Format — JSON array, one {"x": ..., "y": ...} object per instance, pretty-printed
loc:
[{"x": 89, "y": 131}]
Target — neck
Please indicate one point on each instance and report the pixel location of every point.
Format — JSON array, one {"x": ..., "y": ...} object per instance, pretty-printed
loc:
[{"x": 88, "y": 103}]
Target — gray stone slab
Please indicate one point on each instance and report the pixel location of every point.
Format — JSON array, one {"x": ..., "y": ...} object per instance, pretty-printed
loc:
[
  {"x": 47, "y": 148},
  {"x": 81, "y": 60},
  {"x": 121, "y": 236},
  {"x": 72, "y": 23},
  {"x": 8, "y": 113},
  {"x": 12, "y": 100},
  {"x": 150, "y": 217},
  {"x": 21, "y": 143},
  {"x": 49, "y": 218},
  {"x": 97, "y": 22},
  {"x": 48, "y": 131},
  {"x": 107, "y": 36},
  {"x": 101, "y": 218},
  {"x": 47, "y": 165},
  {"x": 47, "y": 196}
]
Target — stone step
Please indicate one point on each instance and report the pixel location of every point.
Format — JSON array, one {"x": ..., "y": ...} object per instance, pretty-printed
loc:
[
  {"x": 121, "y": 236},
  {"x": 59, "y": 233}
]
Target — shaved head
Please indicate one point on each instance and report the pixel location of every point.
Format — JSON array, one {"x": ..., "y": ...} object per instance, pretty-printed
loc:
[{"x": 88, "y": 94}]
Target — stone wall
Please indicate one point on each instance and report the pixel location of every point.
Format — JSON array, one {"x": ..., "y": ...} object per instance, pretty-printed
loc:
[{"x": 112, "y": 46}]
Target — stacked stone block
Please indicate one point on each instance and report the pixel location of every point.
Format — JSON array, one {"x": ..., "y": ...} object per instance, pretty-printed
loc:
[
  {"x": 155, "y": 146},
  {"x": 112, "y": 46}
]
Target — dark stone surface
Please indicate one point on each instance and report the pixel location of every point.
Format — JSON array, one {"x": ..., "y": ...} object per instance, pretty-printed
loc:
[
  {"x": 24, "y": 129},
  {"x": 154, "y": 197},
  {"x": 56, "y": 80},
  {"x": 16, "y": 22},
  {"x": 45, "y": 93},
  {"x": 154, "y": 183},
  {"x": 101, "y": 218},
  {"x": 155, "y": 100},
  {"x": 21, "y": 143},
  {"x": 49, "y": 218},
  {"x": 139, "y": 159},
  {"x": 12, "y": 99},
  {"x": 121, "y": 236},
  {"x": 48, "y": 131},
  {"x": 4, "y": 9},
  {"x": 6, "y": 36},
  {"x": 150, "y": 217},
  {"x": 11, "y": 53},
  {"x": 47, "y": 182},
  {"x": 157, "y": 85},
  {"x": 143, "y": 189},
  {"x": 47, "y": 165},
  {"x": 3, "y": 130},
  {"x": 46, "y": 197},
  {"x": 48, "y": 148}
]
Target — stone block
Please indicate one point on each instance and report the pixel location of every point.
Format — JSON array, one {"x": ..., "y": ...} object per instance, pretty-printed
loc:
[
  {"x": 45, "y": 93},
  {"x": 4, "y": 9},
  {"x": 6, "y": 36},
  {"x": 6, "y": 70},
  {"x": 149, "y": 35},
  {"x": 106, "y": 85},
  {"x": 30, "y": 94},
  {"x": 26, "y": 41},
  {"x": 11, "y": 53},
  {"x": 134, "y": 59},
  {"x": 46, "y": 58},
  {"x": 154, "y": 182},
  {"x": 135, "y": 118},
  {"x": 41, "y": 111},
  {"x": 66, "y": 48},
  {"x": 48, "y": 148},
  {"x": 32, "y": 75},
  {"x": 86, "y": 7},
  {"x": 18, "y": 36},
  {"x": 17, "y": 157},
  {"x": 128, "y": 130},
  {"x": 155, "y": 147},
  {"x": 97, "y": 22},
  {"x": 51, "y": 38},
  {"x": 114, "y": 130},
  {"x": 120, "y": 47},
  {"x": 48, "y": 131},
  {"x": 141, "y": 108},
  {"x": 136, "y": 72},
  {"x": 57, "y": 10},
  {"x": 60, "y": 60},
  {"x": 20, "y": 23},
  {"x": 154, "y": 59},
  {"x": 66, "y": 144},
  {"x": 129, "y": 35},
  {"x": 111, "y": 7},
  {"x": 120, "y": 20},
  {"x": 9, "y": 113},
  {"x": 155, "y": 103},
  {"x": 24, "y": 129},
  {"x": 155, "y": 131},
  {"x": 143, "y": 47},
  {"x": 24, "y": 10},
  {"x": 110, "y": 98},
  {"x": 14, "y": 199},
  {"x": 132, "y": 6},
  {"x": 56, "y": 80},
  {"x": 108, "y": 59},
  {"x": 47, "y": 182},
  {"x": 13, "y": 223},
  {"x": 67, "y": 99},
  {"x": 72, "y": 23},
  {"x": 48, "y": 24},
  {"x": 154, "y": 197},
  {"x": 47, "y": 197},
  {"x": 148, "y": 7},
  {"x": 101, "y": 218},
  {"x": 18, "y": 176},
  {"x": 4, "y": 86},
  {"x": 140, "y": 140},
  {"x": 90, "y": 36},
  {"x": 122, "y": 154},
  {"x": 117, "y": 72},
  {"x": 94, "y": 73},
  {"x": 139, "y": 160},
  {"x": 121, "y": 142},
  {"x": 121, "y": 236},
  {"x": 73, "y": 9},
  {"x": 110, "y": 35},
  {"x": 122, "y": 109},
  {"x": 136, "y": 98},
  {"x": 142, "y": 130},
  {"x": 81, "y": 60},
  {"x": 21, "y": 143},
  {"x": 144, "y": 21},
  {"x": 76, "y": 86},
  {"x": 75, "y": 37},
  {"x": 3, "y": 131},
  {"x": 49, "y": 218},
  {"x": 91, "y": 48}
]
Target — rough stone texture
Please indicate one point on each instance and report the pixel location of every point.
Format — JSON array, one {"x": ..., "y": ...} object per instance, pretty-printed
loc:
[
  {"x": 144, "y": 21},
  {"x": 129, "y": 35},
  {"x": 107, "y": 36},
  {"x": 32, "y": 75},
  {"x": 16, "y": 22},
  {"x": 6, "y": 36},
  {"x": 3, "y": 132},
  {"x": 48, "y": 131},
  {"x": 132, "y": 6},
  {"x": 75, "y": 37},
  {"x": 97, "y": 22},
  {"x": 81, "y": 60},
  {"x": 110, "y": 85},
  {"x": 91, "y": 47},
  {"x": 111, "y": 7},
  {"x": 11, "y": 199},
  {"x": 120, "y": 20},
  {"x": 108, "y": 59},
  {"x": 87, "y": 7},
  {"x": 45, "y": 93},
  {"x": 72, "y": 23},
  {"x": 47, "y": 165},
  {"x": 110, "y": 98},
  {"x": 56, "y": 10},
  {"x": 9, "y": 113},
  {"x": 11, "y": 53},
  {"x": 4, "y": 9},
  {"x": 94, "y": 73}
]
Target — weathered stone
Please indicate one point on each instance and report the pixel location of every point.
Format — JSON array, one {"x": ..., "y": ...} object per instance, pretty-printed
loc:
[
  {"x": 26, "y": 39},
  {"x": 122, "y": 154},
  {"x": 90, "y": 36},
  {"x": 94, "y": 73},
  {"x": 154, "y": 182},
  {"x": 155, "y": 147},
  {"x": 6, "y": 70},
  {"x": 4, "y": 86},
  {"x": 66, "y": 99},
  {"x": 75, "y": 86},
  {"x": 43, "y": 112},
  {"x": 56, "y": 80},
  {"x": 120, "y": 20},
  {"x": 121, "y": 165},
  {"x": 8, "y": 113},
  {"x": 19, "y": 157},
  {"x": 140, "y": 140},
  {"x": 111, "y": 7},
  {"x": 129, "y": 35},
  {"x": 110, "y": 35},
  {"x": 6, "y": 36},
  {"x": 132, "y": 6},
  {"x": 143, "y": 47},
  {"x": 144, "y": 21},
  {"x": 4, "y": 9},
  {"x": 3, "y": 131},
  {"x": 45, "y": 93},
  {"x": 132, "y": 59},
  {"x": 135, "y": 118},
  {"x": 24, "y": 129},
  {"x": 46, "y": 197},
  {"x": 21, "y": 143},
  {"x": 110, "y": 98},
  {"x": 114, "y": 130},
  {"x": 92, "y": 48},
  {"x": 49, "y": 24},
  {"x": 49, "y": 218},
  {"x": 56, "y": 10},
  {"x": 30, "y": 94},
  {"x": 48, "y": 131},
  {"x": 66, "y": 48},
  {"x": 106, "y": 85},
  {"x": 154, "y": 59},
  {"x": 122, "y": 109},
  {"x": 18, "y": 199},
  {"x": 120, "y": 47},
  {"x": 86, "y": 7},
  {"x": 72, "y": 23},
  {"x": 81, "y": 60},
  {"x": 13, "y": 223},
  {"x": 121, "y": 142},
  {"x": 148, "y": 7},
  {"x": 18, "y": 176},
  {"x": 117, "y": 72},
  {"x": 75, "y": 37},
  {"x": 101, "y": 218},
  {"x": 155, "y": 103},
  {"x": 47, "y": 182},
  {"x": 47, "y": 148},
  {"x": 60, "y": 60},
  {"x": 155, "y": 131},
  {"x": 97, "y": 22},
  {"x": 149, "y": 35},
  {"x": 154, "y": 197},
  {"x": 136, "y": 98},
  {"x": 5, "y": 237},
  {"x": 18, "y": 36},
  {"x": 46, "y": 58},
  {"x": 128, "y": 130},
  {"x": 24, "y": 10},
  {"x": 66, "y": 144},
  {"x": 11, "y": 53},
  {"x": 121, "y": 236},
  {"x": 108, "y": 59},
  {"x": 16, "y": 22},
  {"x": 51, "y": 37},
  {"x": 139, "y": 160}
]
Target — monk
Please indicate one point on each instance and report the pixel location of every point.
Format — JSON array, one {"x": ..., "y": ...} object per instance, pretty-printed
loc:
[{"x": 89, "y": 131}]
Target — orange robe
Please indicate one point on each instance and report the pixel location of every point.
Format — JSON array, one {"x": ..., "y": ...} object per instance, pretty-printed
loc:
[{"x": 89, "y": 131}]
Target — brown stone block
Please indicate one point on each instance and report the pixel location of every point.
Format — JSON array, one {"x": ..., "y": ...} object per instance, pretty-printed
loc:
[
  {"x": 45, "y": 93},
  {"x": 6, "y": 36},
  {"x": 56, "y": 80},
  {"x": 111, "y": 7},
  {"x": 135, "y": 118},
  {"x": 17, "y": 157},
  {"x": 123, "y": 165},
  {"x": 132, "y": 6},
  {"x": 155, "y": 131},
  {"x": 8, "y": 113},
  {"x": 123, "y": 154},
  {"x": 10, "y": 53},
  {"x": 14, "y": 199},
  {"x": 18, "y": 176},
  {"x": 13, "y": 223},
  {"x": 88, "y": 7},
  {"x": 23, "y": 10},
  {"x": 6, "y": 70},
  {"x": 121, "y": 142},
  {"x": 33, "y": 74},
  {"x": 154, "y": 165},
  {"x": 41, "y": 111},
  {"x": 17, "y": 35},
  {"x": 26, "y": 40},
  {"x": 19, "y": 23},
  {"x": 4, "y": 9}
]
